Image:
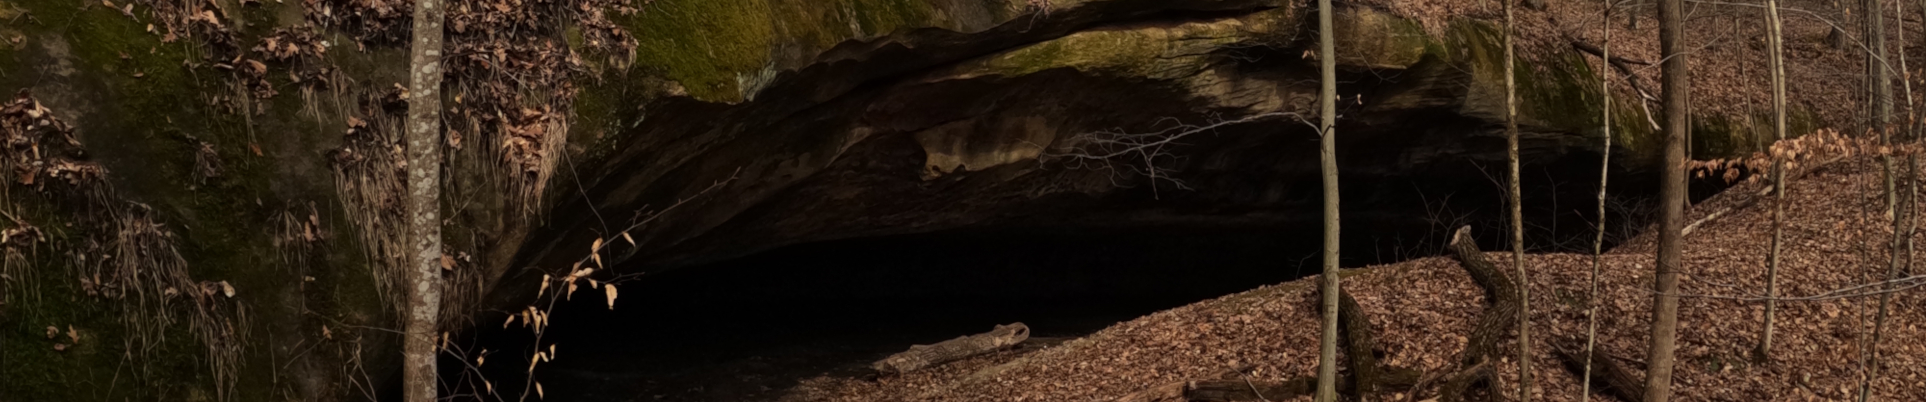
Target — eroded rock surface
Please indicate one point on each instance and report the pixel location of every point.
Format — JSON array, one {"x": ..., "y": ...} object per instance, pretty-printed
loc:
[{"x": 830, "y": 119}]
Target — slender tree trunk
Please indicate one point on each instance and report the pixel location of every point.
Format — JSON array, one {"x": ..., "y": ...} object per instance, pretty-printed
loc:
[
  {"x": 1517, "y": 214},
  {"x": 1604, "y": 170},
  {"x": 1775, "y": 48},
  {"x": 1665, "y": 303},
  {"x": 424, "y": 202},
  {"x": 1327, "y": 155},
  {"x": 1751, "y": 116},
  {"x": 1884, "y": 89},
  {"x": 1911, "y": 199}
]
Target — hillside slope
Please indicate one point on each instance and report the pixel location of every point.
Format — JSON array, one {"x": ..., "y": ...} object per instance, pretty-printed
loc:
[{"x": 1423, "y": 309}]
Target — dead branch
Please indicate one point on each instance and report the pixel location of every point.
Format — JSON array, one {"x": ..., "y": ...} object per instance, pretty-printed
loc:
[
  {"x": 1619, "y": 381},
  {"x": 1147, "y": 154},
  {"x": 1458, "y": 384},
  {"x": 1624, "y": 66},
  {"x": 1616, "y": 60},
  {"x": 1855, "y": 291},
  {"x": 1502, "y": 292},
  {"x": 1355, "y": 328}
]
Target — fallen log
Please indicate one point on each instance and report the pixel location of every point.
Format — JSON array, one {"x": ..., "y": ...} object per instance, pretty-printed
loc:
[
  {"x": 922, "y": 356},
  {"x": 1617, "y": 380},
  {"x": 1355, "y": 329},
  {"x": 1493, "y": 324}
]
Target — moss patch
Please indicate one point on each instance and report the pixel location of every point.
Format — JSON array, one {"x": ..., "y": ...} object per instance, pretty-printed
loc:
[
  {"x": 1148, "y": 52},
  {"x": 716, "y": 48},
  {"x": 1373, "y": 39}
]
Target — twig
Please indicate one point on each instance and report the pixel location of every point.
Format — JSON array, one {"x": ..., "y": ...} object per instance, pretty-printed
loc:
[
  {"x": 1855, "y": 291},
  {"x": 1100, "y": 150}
]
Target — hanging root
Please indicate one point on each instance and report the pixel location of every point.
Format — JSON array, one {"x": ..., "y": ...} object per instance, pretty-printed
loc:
[
  {"x": 369, "y": 178},
  {"x": 121, "y": 254}
]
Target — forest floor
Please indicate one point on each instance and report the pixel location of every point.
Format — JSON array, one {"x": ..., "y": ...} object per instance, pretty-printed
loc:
[
  {"x": 1422, "y": 310},
  {"x": 1726, "y": 45}
]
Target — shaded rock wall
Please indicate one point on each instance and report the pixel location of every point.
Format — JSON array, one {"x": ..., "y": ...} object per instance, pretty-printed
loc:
[{"x": 260, "y": 135}]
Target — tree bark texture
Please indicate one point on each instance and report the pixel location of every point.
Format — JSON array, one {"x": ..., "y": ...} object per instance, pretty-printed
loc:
[
  {"x": 1883, "y": 90},
  {"x": 1665, "y": 304},
  {"x": 1598, "y": 243},
  {"x": 1517, "y": 211},
  {"x": 1481, "y": 350},
  {"x": 1327, "y": 155},
  {"x": 1776, "y": 50},
  {"x": 922, "y": 356},
  {"x": 424, "y": 203}
]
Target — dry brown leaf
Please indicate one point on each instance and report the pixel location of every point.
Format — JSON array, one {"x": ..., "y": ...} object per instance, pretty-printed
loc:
[{"x": 609, "y": 291}]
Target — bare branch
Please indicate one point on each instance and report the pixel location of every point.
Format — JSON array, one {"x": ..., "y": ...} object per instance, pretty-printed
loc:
[{"x": 1147, "y": 154}]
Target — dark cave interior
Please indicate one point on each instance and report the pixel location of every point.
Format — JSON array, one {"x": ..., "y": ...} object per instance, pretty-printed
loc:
[{"x": 752, "y": 327}]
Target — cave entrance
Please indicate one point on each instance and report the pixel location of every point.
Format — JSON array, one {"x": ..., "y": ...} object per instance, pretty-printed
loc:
[{"x": 749, "y": 328}]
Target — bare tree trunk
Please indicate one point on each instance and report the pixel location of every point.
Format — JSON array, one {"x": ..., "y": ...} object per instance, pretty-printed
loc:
[
  {"x": 1327, "y": 155},
  {"x": 1604, "y": 170},
  {"x": 1517, "y": 214},
  {"x": 1884, "y": 102},
  {"x": 1776, "y": 49},
  {"x": 424, "y": 203},
  {"x": 1665, "y": 303}
]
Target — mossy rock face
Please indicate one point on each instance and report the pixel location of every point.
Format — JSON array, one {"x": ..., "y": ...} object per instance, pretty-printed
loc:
[
  {"x": 1153, "y": 52},
  {"x": 837, "y": 119},
  {"x": 1371, "y": 39},
  {"x": 1562, "y": 93}
]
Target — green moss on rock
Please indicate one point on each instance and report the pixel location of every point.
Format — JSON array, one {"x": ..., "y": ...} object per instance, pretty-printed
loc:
[
  {"x": 720, "y": 50},
  {"x": 1373, "y": 39},
  {"x": 1145, "y": 52}
]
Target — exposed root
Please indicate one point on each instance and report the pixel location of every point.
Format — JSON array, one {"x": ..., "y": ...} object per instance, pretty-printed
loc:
[{"x": 368, "y": 174}]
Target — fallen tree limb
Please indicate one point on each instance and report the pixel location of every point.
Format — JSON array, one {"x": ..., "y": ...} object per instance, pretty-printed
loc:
[
  {"x": 1493, "y": 324},
  {"x": 1595, "y": 51},
  {"x": 1460, "y": 383},
  {"x": 1355, "y": 328},
  {"x": 1624, "y": 66},
  {"x": 921, "y": 356},
  {"x": 1619, "y": 381}
]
